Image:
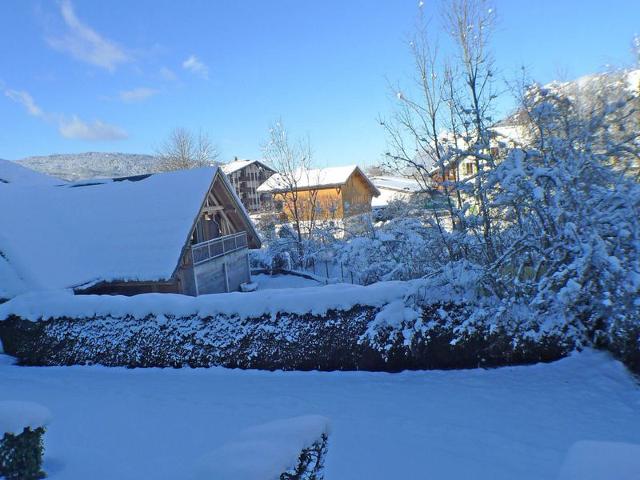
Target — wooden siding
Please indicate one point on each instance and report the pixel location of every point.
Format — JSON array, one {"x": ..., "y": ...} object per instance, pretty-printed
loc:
[
  {"x": 356, "y": 196},
  {"x": 332, "y": 203}
]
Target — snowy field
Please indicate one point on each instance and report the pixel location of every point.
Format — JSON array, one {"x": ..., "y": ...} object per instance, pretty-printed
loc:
[{"x": 508, "y": 423}]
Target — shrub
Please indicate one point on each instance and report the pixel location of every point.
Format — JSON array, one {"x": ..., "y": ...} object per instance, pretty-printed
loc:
[
  {"x": 310, "y": 462},
  {"x": 21, "y": 455}
]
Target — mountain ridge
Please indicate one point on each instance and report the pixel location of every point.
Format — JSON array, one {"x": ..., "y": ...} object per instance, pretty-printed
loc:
[{"x": 82, "y": 166}]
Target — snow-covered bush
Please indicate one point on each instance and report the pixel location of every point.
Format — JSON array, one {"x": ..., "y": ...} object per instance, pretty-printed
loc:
[
  {"x": 401, "y": 249},
  {"x": 569, "y": 240},
  {"x": 21, "y": 446},
  {"x": 286, "y": 449}
]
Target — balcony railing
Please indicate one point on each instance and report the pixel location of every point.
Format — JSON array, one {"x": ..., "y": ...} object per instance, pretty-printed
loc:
[{"x": 204, "y": 251}]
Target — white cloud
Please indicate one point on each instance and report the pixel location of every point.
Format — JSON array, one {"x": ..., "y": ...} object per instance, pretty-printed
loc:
[
  {"x": 69, "y": 127},
  {"x": 77, "y": 129},
  {"x": 137, "y": 94},
  {"x": 26, "y": 100},
  {"x": 194, "y": 65},
  {"x": 85, "y": 44},
  {"x": 168, "y": 74}
]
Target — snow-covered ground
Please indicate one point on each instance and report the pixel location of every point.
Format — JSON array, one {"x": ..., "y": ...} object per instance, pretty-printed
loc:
[
  {"x": 506, "y": 423},
  {"x": 274, "y": 282}
]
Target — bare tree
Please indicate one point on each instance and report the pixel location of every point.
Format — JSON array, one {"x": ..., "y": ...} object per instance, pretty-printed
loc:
[
  {"x": 183, "y": 150},
  {"x": 293, "y": 160},
  {"x": 444, "y": 117}
]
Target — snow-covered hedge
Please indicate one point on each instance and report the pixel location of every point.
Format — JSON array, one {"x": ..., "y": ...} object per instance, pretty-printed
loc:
[
  {"x": 387, "y": 326},
  {"x": 288, "y": 449},
  {"x": 21, "y": 448},
  {"x": 299, "y": 301}
]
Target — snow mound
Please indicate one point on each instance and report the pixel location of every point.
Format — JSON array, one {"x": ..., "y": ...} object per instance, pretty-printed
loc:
[
  {"x": 265, "y": 451},
  {"x": 591, "y": 460},
  {"x": 315, "y": 300},
  {"x": 15, "y": 416}
]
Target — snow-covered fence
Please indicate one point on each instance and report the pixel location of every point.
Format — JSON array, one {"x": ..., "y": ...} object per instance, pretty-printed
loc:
[
  {"x": 287, "y": 449},
  {"x": 21, "y": 448},
  {"x": 381, "y": 327}
]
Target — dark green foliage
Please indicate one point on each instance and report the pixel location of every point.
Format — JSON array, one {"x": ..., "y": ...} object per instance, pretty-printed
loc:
[
  {"x": 333, "y": 341},
  {"x": 310, "y": 462},
  {"x": 21, "y": 455},
  {"x": 623, "y": 340}
]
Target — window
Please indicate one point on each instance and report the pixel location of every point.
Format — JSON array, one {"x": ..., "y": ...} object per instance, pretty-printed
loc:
[{"x": 468, "y": 168}]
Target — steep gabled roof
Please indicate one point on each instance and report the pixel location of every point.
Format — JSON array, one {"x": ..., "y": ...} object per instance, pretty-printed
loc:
[
  {"x": 126, "y": 229},
  {"x": 236, "y": 165},
  {"x": 316, "y": 178}
]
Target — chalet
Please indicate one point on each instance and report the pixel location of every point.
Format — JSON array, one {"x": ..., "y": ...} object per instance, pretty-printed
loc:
[
  {"x": 246, "y": 176},
  {"x": 322, "y": 194},
  {"x": 180, "y": 232}
]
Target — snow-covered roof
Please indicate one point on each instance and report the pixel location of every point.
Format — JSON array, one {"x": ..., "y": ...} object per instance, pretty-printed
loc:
[
  {"x": 129, "y": 229},
  {"x": 394, "y": 188},
  {"x": 400, "y": 184},
  {"x": 316, "y": 178},
  {"x": 11, "y": 284},
  {"x": 236, "y": 165},
  {"x": 11, "y": 172}
]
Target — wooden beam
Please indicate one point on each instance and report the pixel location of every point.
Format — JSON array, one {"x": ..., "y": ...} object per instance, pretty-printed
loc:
[{"x": 213, "y": 208}]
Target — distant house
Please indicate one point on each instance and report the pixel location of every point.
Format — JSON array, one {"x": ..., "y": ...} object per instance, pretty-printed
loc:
[
  {"x": 181, "y": 232},
  {"x": 333, "y": 193},
  {"x": 393, "y": 188},
  {"x": 246, "y": 176}
]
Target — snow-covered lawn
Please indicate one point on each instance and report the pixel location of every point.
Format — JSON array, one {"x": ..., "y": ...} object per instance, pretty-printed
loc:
[{"x": 508, "y": 423}]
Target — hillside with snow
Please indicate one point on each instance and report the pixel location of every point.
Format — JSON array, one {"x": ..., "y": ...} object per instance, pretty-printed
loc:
[{"x": 81, "y": 166}]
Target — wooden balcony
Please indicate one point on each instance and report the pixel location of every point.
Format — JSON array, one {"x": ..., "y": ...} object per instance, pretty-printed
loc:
[{"x": 218, "y": 247}]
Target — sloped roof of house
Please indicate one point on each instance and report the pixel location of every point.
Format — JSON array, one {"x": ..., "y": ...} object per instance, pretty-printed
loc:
[
  {"x": 236, "y": 165},
  {"x": 127, "y": 229},
  {"x": 11, "y": 172},
  {"x": 10, "y": 282},
  {"x": 400, "y": 184},
  {"x": 394, "y": 188},
  {"x": 316, "y": 178}
]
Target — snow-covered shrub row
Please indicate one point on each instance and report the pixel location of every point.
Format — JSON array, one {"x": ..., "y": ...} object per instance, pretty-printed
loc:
[
  {"x": 316, "y": 300},
  {"x": 288, "y": 449},
  {"x": 21, "y": 447},
  {"x": 405, "y": 332}
]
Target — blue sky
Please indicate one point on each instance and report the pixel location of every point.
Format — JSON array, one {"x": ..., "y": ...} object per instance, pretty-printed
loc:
[{"x": 84, "y": 75}]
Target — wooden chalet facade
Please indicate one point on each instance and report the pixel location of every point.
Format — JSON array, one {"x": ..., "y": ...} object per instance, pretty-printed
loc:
[{"x": 334, "y": 193}]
